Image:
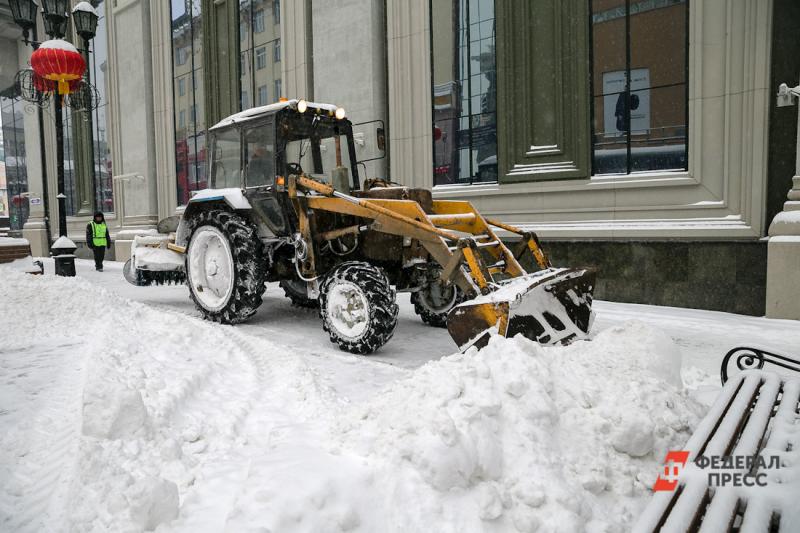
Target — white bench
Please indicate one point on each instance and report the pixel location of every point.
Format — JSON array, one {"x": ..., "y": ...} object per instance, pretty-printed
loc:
[{"x": 738, "y": 474}]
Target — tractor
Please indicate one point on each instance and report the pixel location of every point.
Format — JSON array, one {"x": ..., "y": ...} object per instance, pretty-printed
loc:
[{"x": 286, "y": 204}]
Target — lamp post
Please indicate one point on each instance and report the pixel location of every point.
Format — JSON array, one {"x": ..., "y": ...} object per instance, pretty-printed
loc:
[
  {"x": 85, "y": 19},
  {"x": 55, "y": 15}
]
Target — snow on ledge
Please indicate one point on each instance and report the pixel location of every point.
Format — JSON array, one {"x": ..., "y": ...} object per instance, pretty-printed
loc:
[{"x": 13, "y": 241}]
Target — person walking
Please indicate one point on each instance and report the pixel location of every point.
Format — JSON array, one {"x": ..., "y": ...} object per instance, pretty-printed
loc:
[{"x": 98, "y": 239}]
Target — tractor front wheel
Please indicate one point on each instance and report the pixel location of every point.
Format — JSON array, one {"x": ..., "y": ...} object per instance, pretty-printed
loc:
[{"x": 358, "y": 308}]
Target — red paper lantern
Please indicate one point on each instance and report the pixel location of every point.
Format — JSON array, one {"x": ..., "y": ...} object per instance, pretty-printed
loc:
[{"x": 59, "y": 62}]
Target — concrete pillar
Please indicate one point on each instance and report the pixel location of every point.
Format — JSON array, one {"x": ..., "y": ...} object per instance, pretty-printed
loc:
[
  {"x": 783, "y": 254},
  {"x": 350, "y": 69},
  {"x": 410, "y": 115},
  {"x": 35, "y": 227},
  {"x": 132, "y": 113}
]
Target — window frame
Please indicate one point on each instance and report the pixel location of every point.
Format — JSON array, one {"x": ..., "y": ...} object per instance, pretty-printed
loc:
[
  {"x": 259, "y": 24},
  {"x": 269, "y": 122},
  {"x": 211, "y": 173},
  {"x": 628, "y": 69},
  {"x": 261, "y": 57},
  {"x": 473, "y": 178}
]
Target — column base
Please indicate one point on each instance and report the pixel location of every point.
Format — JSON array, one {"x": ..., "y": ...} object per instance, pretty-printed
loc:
[
  {"x": 36, "y": 233},
  {"x": 783, "y": 277}
]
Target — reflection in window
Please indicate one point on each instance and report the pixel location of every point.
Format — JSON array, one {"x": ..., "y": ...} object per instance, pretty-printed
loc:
[
  {"x": 98, "y": 64},
  {"x": 464, "y": 91},
  {"x": 190, "y": 150},
  {"x": 260, "y": 155},
  {"x": 639, "y": 80},
  {"x": 258, "y": 20},
  {"x": 14, "y": 204},
  {"x": 261, "y": 58},
  {"x": 260, "y": 69}
]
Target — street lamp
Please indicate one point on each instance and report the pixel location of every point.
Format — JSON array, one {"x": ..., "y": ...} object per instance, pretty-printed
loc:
[
  {"x": 24, "y": 14},
  {"x": 57, "y": 67},
  {"x": 54, "y": 15},
  {"x": 85, "y": 19}
]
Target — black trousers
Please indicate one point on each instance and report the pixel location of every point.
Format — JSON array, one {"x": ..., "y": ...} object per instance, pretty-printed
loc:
[{"x": 99, "y": 255}]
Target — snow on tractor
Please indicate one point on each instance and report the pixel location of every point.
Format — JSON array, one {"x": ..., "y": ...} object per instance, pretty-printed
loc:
[{"x": 284, "y": 207}]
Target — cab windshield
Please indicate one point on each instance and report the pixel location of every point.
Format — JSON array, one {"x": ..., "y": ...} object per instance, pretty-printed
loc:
[{"x": 316, "y": 144}]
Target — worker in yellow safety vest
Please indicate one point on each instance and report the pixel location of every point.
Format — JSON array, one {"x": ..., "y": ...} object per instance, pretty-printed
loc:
[{"x": 98, "y": 239}]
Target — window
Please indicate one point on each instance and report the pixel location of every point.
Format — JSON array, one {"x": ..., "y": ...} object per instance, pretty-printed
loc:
[
  {"x": 278, "y": 89},
  {"x": 261, "y": 58},
  {"x": 190, "y": 145},
  {"x": 260, "y": 156},
  {"x": 276, "y": 11},
  {"x": 639, "y": 85},
  {"x": 181, "y": 56},
  {"x": 276, "y": 51},
  {"x": 262, "y": 95},
  {"x": 258, "y": 21},
  {"x": 464, "y": 92},
  {"x": 226, "y": 161}
]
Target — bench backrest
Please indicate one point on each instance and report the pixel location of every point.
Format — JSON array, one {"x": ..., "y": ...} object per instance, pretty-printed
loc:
[{"x": 753, "y": 419}]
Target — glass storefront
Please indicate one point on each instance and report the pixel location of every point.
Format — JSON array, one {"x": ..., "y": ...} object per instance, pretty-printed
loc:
[
  {"x": 639, "y": 79},
  {"x": 13, "y": 163},
  {"x": 260, "y": 76},
  {"x": 187, "y": 74},
  {"x": 260, "y": 49},
  {"x": 464, "y": 91},
  {"x": 98, "y": 65}
]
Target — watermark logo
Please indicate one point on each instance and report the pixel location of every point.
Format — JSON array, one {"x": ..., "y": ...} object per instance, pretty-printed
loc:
[
  {"x": 723, "y": 470},
  {"x": 673, "y": 465}
]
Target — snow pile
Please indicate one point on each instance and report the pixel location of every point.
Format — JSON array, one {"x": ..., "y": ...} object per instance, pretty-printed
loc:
[
  {"x": 519, "y": 438},
  {"x": 145, "y": 418}
]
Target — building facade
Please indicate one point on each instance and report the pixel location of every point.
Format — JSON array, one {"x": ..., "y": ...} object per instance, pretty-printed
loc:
[{"x": 639, "y": 136}]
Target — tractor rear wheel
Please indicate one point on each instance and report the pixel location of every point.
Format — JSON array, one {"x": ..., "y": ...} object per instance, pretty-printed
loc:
[
  {"x": 358, "y": 308},
  {"x": 434, "y": 302},
  {"x": 225, "y": 267},
  {"x": 295, "y": 290}
]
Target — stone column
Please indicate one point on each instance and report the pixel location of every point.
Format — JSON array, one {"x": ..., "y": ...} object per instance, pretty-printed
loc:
[
  {"x": 783, "y": 253},
  {"x": 297, "y": 38},
  {"x": 35, "y": 228},
  {"x": 410, "y": 115},
  {"x": 360, "y": 60}
]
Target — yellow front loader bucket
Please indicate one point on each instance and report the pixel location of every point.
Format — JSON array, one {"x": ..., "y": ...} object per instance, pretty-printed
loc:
[{"x": 552, "y": 306}]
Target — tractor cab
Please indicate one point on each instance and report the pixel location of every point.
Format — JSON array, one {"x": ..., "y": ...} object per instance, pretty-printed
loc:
[{"x": 256, "y": 150}]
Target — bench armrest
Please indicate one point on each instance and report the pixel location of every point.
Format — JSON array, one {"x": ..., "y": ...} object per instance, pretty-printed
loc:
[{"x": 755, "y": 358}]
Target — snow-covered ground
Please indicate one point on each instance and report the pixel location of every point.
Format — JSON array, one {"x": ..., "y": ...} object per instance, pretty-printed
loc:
[{"x": 121, "y": 409}]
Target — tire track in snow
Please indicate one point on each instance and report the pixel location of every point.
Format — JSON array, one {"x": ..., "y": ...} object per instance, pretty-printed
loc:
[{"x": 39, "y": 452}]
